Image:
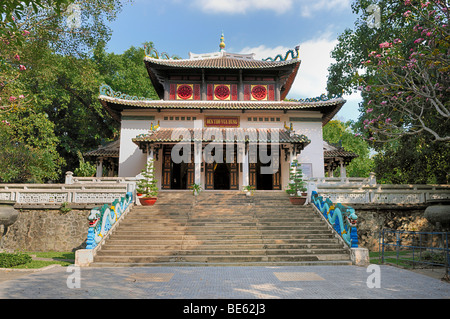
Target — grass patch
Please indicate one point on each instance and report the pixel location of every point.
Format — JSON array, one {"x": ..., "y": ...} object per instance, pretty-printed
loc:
[{"x": 52, "y": 258}]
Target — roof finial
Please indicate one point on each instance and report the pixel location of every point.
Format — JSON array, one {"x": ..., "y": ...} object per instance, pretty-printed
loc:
[{"x": 222, "y": 43}]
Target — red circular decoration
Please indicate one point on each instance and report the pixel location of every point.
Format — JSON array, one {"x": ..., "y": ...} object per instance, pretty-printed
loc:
[
  {"x": 222, "y": 92},
  {"x": 184, "y": 92},
  {"x": 259, "y": 92}
]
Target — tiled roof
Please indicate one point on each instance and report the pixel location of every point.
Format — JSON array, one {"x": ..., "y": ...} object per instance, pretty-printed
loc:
[
  {"x": 224, "y": 62},
  {"x": 108, "y": 150},
  {"x": 175, "y": 135},
  {"x": 225, "y": 105},
  {"x": 339, "y": 153}
]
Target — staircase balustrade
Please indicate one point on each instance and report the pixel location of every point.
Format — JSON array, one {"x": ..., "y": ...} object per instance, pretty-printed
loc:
[
  {"x": 101, "y": 219},
  {"x": 342, "y": 218}
]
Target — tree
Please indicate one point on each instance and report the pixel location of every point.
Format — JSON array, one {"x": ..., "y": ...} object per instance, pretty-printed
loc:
[
  {"x": 48, "y": 74},
  {"x": 401, "y": 68},
  {"x": 341, "y": 132},
  {"x": 408, "y": 83}
]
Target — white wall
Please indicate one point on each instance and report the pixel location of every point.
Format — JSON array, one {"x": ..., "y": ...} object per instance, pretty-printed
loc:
[{"x": 132, "y": 159}]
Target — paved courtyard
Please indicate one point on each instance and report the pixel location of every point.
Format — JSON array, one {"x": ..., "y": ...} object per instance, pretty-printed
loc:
[{"x": 313, "y": 282}]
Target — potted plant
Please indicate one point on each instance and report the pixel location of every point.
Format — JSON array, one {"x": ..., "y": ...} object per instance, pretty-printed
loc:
[
  {"x": 248, "y": 189},
  {"x": 196, "y": 189},
  {"x": 147, "y": 186},
  {"x": 296, "y": 187}
]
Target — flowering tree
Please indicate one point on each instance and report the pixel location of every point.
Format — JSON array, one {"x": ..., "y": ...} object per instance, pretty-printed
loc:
[{"x": 407, "y": 85}]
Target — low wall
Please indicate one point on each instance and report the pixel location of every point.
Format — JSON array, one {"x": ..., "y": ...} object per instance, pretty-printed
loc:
[
  {"x": 372, "y": 218},
  {"x": 47, "y": 230}
]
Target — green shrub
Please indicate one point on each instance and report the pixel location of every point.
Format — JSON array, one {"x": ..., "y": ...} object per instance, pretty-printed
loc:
[{"x": 11, "y": 260}]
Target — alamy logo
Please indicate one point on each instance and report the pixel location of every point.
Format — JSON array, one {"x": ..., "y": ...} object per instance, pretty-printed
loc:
[
  {"x": 374, "y": 279},
  {"x": 74, "y": 279}
]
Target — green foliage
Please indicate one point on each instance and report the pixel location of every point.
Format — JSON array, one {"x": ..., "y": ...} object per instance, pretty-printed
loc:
[
  {"x": 296, "y": 183},
  {"x": 147, "y": 186},
  {"x": 339, "y": 132},
  {"x": 28, "y": 149},
  {"x": 11, "y": 260},
  {"x": 85, "y": 169}
]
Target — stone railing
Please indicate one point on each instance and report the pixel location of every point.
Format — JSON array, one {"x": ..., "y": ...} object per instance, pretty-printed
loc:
[
  {"x": 62, "y": 193},
  {"x": 102, "y": 221},
  {"x": 362, "y": 193},
  {"x": 341, "y": 218}
]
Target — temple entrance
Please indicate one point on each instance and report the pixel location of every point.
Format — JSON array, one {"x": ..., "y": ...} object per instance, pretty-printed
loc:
[
  {"x": 263, "y": 181},
  {"x": 176, "y": 175},
  {"x": 259, "y": 177},
  {"x": 179, "y": 176},
  {"x": 221, "y": 176}
]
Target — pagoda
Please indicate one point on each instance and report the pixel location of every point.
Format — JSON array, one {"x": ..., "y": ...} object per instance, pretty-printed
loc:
[{"x": 222, "y": 121}]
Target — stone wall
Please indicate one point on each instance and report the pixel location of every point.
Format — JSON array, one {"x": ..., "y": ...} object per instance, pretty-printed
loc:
[
  {"x": 373, "y": 218},
  {"x": 47, "y": 230}
]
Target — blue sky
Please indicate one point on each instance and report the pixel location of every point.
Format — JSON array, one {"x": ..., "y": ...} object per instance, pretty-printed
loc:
[{"x": 263, "y": 27}]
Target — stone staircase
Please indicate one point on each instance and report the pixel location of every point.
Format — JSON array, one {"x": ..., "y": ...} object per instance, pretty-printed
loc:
[{"x": 222, "y": 228}]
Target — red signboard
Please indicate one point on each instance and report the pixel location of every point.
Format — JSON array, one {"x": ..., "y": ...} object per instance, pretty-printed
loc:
[{"x": 222, "y": 121}]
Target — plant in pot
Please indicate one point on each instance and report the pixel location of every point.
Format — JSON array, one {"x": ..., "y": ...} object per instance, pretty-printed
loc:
[
  {"x": 147, "y": 186},
  {"x": 196, "y": 189},
  {"x": 296, "y": 187},
  {"x": 249, "y": 190}
]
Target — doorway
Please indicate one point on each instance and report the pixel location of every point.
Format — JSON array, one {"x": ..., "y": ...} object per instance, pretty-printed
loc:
[{"x": 221, "y": 176}]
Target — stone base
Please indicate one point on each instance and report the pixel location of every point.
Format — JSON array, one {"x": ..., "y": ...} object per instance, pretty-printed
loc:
[
  {"x": 359, "y": 256},
  {"x": 83, "y": 257}
]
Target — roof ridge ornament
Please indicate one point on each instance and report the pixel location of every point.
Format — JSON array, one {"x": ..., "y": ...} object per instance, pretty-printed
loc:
[
  {"x": 290, "y": 52},
  {"x": 222, "y": 43},
  {"x": 106, "y": 90},
  {"x": 150, "y": 52}
]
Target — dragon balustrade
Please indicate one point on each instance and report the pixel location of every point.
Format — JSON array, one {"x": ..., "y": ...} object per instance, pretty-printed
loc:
[
  {"x": 101, "y": 219},
  {"x": 342, "y": 218}
]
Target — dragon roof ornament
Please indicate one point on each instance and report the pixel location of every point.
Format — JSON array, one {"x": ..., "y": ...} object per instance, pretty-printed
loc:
[
  {"x": 108, "y": 91},
  {"x": 290, "y": 52}
]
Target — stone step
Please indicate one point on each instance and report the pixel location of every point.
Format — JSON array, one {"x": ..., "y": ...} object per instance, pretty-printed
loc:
[
  {"x": 222, "y": 228},
  {"x": 220, "y": 258}
]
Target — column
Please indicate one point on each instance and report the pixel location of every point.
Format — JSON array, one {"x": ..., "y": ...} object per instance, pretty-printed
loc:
[
  {"x": 245, "y": 168},
  {"x": 198, "y": 162},
  {"x": 99, "y": 167},
  {"x": 343, "y": 170}
]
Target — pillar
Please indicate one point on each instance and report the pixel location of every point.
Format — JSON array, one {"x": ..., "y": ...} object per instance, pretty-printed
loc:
[{"x": 99, "y": 167}]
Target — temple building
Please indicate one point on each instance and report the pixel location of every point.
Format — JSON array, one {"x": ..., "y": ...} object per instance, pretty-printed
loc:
[{"x": 222, "y": 120}]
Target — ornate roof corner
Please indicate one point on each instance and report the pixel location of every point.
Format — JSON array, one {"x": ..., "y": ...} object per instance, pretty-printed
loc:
[{"x": 321, "y": 98}]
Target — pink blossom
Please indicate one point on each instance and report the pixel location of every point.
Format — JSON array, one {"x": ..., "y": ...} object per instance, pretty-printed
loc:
[
  {"x": 388, "y": 120},
  {"x": 407, "y": 2},
  {"x": 429, "y": 34},
  {"x": 21, "y": 96},
  {"x": 12, "y": 98},
  {"x": 25, "y": 32},
  {"x": 425, "y": 4},
  {"x": 17, "y": 57},
  {"x": 369, "y": 110},
  {"x": 383, "y": 103},
  {"x": 6, "y": 122},
  {"x": 407, "y": 13},
  {"x": 418, "y": 40},
  {"x": 397, "y": 41},
  {"x": 385, "y": 45},
  {"x": 22, "y": 67}
]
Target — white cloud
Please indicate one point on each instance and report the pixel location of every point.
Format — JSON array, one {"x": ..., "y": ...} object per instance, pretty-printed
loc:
[
  {"x": 307, "y": 7},
  {"x": 242, "y": 6},
  {"x": 311, "y": 80}
]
